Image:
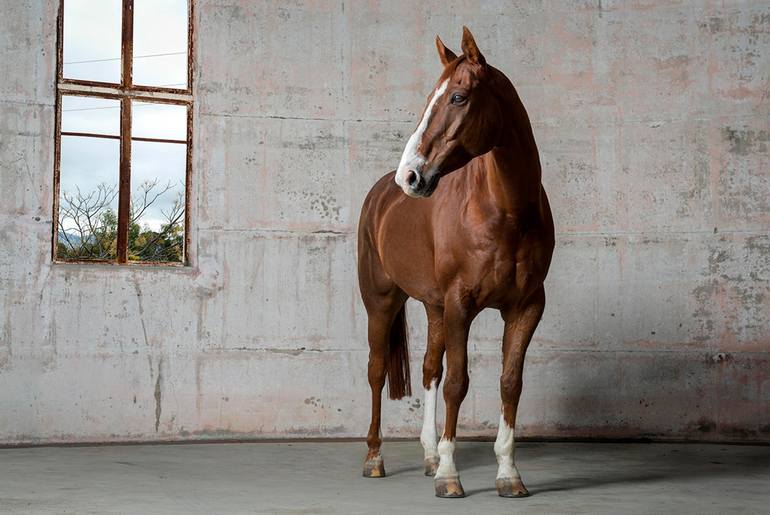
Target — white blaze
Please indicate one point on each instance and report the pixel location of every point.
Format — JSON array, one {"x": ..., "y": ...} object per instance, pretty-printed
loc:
[
  {"x": 446, "y": 467},
  {"x": 411, "y": 159},
  {"x": 428, "y": 435},
  {"x": 504, "y": 451}
]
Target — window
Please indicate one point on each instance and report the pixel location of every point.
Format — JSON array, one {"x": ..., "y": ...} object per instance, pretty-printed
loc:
[{"x": 123, "y": 131}]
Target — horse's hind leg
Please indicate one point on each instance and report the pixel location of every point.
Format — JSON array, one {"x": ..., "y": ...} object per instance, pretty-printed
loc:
[
  {"x": 520, "y": 325},
  {"x": 382, "y": 310},
  {"x": 432, "y": 369}
]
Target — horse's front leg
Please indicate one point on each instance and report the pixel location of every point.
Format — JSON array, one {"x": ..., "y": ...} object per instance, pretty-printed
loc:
[
  {"x": 520, "y": 325},
  {"x": 432, "y": 369},
  {"x": 457, "y": 321}
]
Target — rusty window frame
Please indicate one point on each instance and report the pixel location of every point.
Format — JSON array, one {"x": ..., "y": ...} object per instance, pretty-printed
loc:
[{"x": 126, "y": 92}]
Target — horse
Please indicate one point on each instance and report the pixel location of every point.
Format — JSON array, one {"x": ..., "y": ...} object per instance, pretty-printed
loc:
[{"x": 461, "y": 225}]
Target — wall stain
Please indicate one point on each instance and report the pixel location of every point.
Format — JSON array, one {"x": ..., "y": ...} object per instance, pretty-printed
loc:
[
  {"x": 141, "y": 309},
  {"x": 744, "y": 142},
  {"x": 158, "y": 400}
]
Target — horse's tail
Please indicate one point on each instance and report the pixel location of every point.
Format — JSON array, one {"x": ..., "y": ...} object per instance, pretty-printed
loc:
[{"x": 399, "y": 380}]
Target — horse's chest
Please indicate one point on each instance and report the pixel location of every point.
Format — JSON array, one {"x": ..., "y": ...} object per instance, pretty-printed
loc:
[{"x": 483, "y": 266}]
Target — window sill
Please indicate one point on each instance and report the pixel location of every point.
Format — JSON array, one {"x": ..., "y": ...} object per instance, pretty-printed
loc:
[{"x": 113, "y": 265}]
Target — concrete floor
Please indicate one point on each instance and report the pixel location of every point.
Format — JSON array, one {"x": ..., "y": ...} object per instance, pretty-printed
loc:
[{"x": 326, "y": 478}]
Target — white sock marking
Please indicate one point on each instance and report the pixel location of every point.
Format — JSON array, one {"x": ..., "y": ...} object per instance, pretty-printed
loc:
[
  {"x": 504, "y": 445},
  {"x": 428, "y": 435},
  {"x": 410, "y": 159},
  {"x": 446, "y": 467}
]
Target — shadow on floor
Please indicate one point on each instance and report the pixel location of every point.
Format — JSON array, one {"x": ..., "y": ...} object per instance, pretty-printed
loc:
[{"x": 652, "y": 462}]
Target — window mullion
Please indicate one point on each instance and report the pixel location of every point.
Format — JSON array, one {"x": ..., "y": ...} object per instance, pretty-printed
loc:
[
  {"x": 127, "y": 44},
  {"x": 124, "y": 191}
]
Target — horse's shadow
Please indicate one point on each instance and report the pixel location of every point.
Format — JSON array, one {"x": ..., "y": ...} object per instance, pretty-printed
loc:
[
  {"x": 467, "y": 458},
  {"x": 660, "y": 464},
  {"x": 403, "y": 470}
]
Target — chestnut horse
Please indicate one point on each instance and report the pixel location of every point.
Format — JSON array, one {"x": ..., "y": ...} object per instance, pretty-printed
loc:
[{"x": 463, "y": 224}]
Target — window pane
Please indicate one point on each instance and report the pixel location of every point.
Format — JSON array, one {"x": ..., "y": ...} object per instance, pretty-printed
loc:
[
  {"x": 90, "y": 114},
  {"x": 88, "y": 198},
  {"x": 92, "y": 34},
  {"x": 158, "y": 172},
  {"x": 160, "y": 43},
  {"x": 162, "y": 121}
]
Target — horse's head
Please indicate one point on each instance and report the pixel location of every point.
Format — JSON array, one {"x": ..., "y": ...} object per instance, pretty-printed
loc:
[{"x": 461, "y": 121}]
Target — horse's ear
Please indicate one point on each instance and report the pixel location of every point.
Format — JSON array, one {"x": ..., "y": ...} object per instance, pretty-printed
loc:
[
  {"x": 471, "y": 51},
  {"x": 446, "y": 55}
]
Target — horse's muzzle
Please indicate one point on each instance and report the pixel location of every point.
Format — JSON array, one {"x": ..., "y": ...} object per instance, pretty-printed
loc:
[{"x": 418, "y": 186}]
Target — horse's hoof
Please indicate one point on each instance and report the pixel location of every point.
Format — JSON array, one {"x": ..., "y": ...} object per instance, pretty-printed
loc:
[
  {"x": 431, "y": 464},
  {"x": 374, "y": 467},
  {"x": 511, "y": 488},
  {"x": 449, "y": 488}
]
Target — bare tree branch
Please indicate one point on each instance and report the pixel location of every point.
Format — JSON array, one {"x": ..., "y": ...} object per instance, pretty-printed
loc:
[
  {"x": 143, "y": 200},
  {"x": 165, "y": 230},
  {"x": 90, "y": 217},
  {"x": 86, "y": 214}
]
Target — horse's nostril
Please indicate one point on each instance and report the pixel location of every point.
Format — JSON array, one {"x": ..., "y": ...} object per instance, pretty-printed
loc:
[{"x": 411, "y": 178}]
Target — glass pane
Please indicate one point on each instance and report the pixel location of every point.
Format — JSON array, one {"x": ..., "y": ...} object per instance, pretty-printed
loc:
[
  {"x": 158, "y": 172},
  {"x": 162, "y": 121},
  {"x": 92, "y": 35},
  {"x": 88, "y": 198},
  {"x": 160, "y": 43},
  {"x": 90, "y": 114}
]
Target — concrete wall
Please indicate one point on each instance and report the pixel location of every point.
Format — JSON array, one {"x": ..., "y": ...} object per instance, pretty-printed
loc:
[{"x": 653, "y": 123}]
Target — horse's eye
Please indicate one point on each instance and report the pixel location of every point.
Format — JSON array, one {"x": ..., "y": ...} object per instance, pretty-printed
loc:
[{"x": 458, "y": 99}]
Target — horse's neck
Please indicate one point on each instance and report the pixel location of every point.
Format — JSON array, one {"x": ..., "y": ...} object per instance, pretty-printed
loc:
[
  {"x": 512, "y": 168},
  {"x": 512, "y": 171}
]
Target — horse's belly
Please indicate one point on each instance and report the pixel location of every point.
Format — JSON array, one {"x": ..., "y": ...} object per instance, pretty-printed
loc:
[{"x": 497, "y": 275}]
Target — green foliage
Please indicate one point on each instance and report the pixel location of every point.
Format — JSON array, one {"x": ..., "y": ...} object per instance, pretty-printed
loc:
[
  {"x": 147, "y": 245},
  {"x": 92, "y": 227},
  {"x": 144, "y": 244}
]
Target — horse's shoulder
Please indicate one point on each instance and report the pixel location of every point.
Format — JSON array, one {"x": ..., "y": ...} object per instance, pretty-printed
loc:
[{"x": 381, "y": 189}]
